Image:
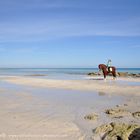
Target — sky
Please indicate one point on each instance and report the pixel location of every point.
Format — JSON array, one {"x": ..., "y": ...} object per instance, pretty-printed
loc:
[{"x": 69, "y": 33}]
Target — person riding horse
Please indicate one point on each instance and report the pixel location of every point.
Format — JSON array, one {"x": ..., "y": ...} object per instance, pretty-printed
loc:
[
  {"x": 107, "y": 69},
  {"x": 109, "y": 65}
]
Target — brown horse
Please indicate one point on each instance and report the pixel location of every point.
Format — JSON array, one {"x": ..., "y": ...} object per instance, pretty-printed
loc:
[{"x": 107, "y": 70}]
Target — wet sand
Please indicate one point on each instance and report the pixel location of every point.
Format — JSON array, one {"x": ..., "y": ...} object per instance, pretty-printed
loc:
[
  {"x": 24, "y": 115},
  {"x": 97, "y": 84},
  {"x": 55, "y": 109}
]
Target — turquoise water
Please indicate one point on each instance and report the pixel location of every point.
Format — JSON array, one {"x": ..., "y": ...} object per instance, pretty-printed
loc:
[{"x": 57, "y": 71}]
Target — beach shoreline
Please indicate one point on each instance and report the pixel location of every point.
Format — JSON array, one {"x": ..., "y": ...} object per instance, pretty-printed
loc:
[{"x": 75, "y": 102}]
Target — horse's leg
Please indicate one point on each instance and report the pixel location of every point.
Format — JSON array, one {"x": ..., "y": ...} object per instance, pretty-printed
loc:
[
  {"x": 104, "y": 75},
  {"x": 114, "y": 75}
]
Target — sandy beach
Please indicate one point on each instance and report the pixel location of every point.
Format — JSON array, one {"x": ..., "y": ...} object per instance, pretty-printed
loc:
[
  {"x": 91, "y": 84},
  {"x": 37, "y": 109}
]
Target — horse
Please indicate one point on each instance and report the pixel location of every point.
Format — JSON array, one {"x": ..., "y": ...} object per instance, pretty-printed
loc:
[{"x": 107, "y": 70}]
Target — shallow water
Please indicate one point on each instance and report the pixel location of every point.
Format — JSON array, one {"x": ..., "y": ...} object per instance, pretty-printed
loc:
[
  {"x": 118, "y": 81},
  {"x": 58, "y": 71},
  {"x": 131, "y": 83}
]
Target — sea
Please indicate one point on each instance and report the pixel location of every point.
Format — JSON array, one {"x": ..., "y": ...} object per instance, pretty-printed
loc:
[{"x": 57, "y": 73}]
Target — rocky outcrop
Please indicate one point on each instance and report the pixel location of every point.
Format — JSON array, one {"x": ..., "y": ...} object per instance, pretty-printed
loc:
[
  {"x": 117, "y": 112},
  {"x": 135, "y": 135},
  {"x": 117, "y": 131},
  {"x": 122, "y": 74},
  {"x": 134, "y": 75},
  {"x": 119, "y": 74},
  {"x": 91, "y": 117},
  {"x": 126, "y": 74},
  {"x": 93, "y": 74},
  {"x": 136, "y": 115},
  {"x": 120, "y": 113}
]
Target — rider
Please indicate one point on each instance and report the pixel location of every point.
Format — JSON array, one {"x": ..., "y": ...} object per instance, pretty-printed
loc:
[{"x": 109, "y": 65}]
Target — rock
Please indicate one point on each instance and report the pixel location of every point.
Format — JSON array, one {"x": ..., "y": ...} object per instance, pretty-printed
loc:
[
  {"x": 132, "y": 74},
  {"x": 135, "y": 135},
  {"x": 91, "y": 117},
  {"x": 116, "y": 131},
  {"x": 93, "y": 74},
  {"x": 37, "y": 75},
  {"x": 117, "y": 112},
  {"x": 126, "y": 74},
  {"x": 122, "y": 74},
  {"x": 117, "y": 105},
  {"x": 136, "y": 115},
  {"x": 101, "y": 93},
  {"x": 138, "y": 75}
]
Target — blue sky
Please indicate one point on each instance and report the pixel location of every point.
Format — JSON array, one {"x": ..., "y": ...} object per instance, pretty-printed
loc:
[{"x": 69, "y": 33}]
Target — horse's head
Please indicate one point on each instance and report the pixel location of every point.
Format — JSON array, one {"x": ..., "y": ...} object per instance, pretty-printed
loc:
[{"x": 102, "y": 66}]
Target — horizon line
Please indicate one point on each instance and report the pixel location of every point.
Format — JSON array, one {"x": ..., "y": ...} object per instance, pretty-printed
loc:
[{"x": 63, "y": 67}]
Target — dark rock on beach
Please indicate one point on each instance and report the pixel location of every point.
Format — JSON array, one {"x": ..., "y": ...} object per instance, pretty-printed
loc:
[
  {"x": 134, "y": 75},
  {"x": 122, "y": 74},
  {"x": 117, "y": 131},
  {"x": 117, "y": 112},
  {"x": 119, "y": 74},
  {"x": 126, "y": 74},
  {"x": 91, "y": 117},
  {"x": 136, "y": 115},
  {"x": 135, "y": 135},
  {"x": 93, "y": 74},
  {"x": 37, "y": 75}
]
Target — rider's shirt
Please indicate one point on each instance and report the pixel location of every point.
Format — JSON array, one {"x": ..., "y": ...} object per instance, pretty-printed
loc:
[{"x": 109, "y": 64}]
